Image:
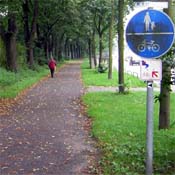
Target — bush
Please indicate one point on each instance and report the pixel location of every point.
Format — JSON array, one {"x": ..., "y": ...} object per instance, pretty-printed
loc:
[{"x": 103, "y": 67}]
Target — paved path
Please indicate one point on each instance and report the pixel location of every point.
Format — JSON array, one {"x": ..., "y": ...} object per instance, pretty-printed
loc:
[
  {"x": 45, "y": 134},
  {"x": 115, "y": 89}
]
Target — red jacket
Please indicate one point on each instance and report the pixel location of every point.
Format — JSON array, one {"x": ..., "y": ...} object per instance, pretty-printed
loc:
[{"x": 52, "y": 64}]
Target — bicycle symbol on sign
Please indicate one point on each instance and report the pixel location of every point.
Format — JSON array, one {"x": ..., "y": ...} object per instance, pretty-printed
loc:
[{"x": 150, "y": 45}]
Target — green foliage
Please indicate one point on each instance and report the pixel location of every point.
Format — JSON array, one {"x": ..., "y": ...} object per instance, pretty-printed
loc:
[
  {"x": 120, "y": 127},
  {"x": 40, "y": 57},
  {"x": 11, "y": 84},
  {"x": 92, "y": 77},
  {"x": 169, "y": 58},
  {"x": 69, "y": 22},
  {"x": 168, "y": 62}
]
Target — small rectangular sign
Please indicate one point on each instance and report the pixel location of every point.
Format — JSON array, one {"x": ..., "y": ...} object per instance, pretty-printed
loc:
[{"x": 151, "y": 69}]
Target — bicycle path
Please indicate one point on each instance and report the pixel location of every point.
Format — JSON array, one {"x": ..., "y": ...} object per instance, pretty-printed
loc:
[{"x": 46, "y": 133}]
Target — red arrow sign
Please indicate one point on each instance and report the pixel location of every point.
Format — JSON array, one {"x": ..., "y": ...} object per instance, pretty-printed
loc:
[{"x": 155, "y": 74}]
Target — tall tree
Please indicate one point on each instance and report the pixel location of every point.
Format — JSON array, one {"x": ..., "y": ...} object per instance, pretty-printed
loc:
[
  {"x": 94, "y": 48},
  {"x": 100, "y": 15},
  {"x": 123, "y": 6},
  {"x": 58, "y": 21},
  {"x": 10, "y": 42},
  {"x": 88, "y": 18}
]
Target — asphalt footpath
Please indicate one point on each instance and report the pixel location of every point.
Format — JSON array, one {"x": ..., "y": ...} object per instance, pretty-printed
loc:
[{"x": 47, "y": 132}]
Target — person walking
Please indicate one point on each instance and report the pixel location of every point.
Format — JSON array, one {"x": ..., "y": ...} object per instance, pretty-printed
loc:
[{"x": 52, "y": 66}]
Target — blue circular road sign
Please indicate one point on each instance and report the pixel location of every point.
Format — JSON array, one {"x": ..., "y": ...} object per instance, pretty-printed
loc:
[{"x": 150, "y": 33}]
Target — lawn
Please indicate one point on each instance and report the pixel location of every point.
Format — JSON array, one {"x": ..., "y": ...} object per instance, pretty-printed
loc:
[
  {"x": 91, "y": 77},
  {"x": 11, "y": 84},
  {"x": 119, "y": 125}
]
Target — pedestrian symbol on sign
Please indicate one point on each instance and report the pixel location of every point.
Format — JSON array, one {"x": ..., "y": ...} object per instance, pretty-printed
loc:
[
  {"x": 148, "y": 31},
  {"x": 148, "y": 23}
]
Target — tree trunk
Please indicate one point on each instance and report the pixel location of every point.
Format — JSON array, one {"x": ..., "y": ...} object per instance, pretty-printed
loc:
[
  {"x": 164, "y": 110},
  {"x": 66, "y": 48},
  {"x": 50, "y": 44},
  {"x": 71, "y": 51},
  {"x": 30, "y": 36},
  {"x": 10, "y": 43},
  {"x": 171, "y": 5},
  {"x": 100, "y": 34},
  {"x": 78, "y": 50},
  {"x": 59, "y": 51},
  {"x": 111, "y": 40},
  {"x": 55, "y": 48},
  {"x": 90, "y": 53},
  {"x": 94, "y": 49},
  {"x": 121, "y": 45},
  {"x": 25, "y": 7},
  {"x": 74, "y": 48},
  {"x": 100, "y": 50},
  {"x": 46, "y": 49}
]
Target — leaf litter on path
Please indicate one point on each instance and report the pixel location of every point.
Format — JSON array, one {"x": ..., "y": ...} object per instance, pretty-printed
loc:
[{"x": 45, "y": 131}]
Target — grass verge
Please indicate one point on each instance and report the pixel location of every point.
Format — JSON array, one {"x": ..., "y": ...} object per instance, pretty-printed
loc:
[
  {"x": 119, "y": 124},
  {"x": 11, "y": 84}
]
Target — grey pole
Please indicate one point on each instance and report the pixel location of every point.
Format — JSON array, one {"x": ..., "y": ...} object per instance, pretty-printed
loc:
[{"x": 149, "y": 129}]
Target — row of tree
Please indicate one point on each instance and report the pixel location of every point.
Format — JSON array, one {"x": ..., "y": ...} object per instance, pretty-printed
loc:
[
  {"x": 43, "y": 27},
  {"x": 71, "y": 29},
  {"x": 64, "y": 28}
]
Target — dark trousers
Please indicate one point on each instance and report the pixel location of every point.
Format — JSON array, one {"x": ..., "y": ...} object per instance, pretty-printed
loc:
[{"x": 52, "y": 72}]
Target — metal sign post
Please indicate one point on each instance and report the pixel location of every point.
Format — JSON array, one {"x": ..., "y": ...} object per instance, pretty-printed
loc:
[
  {"x": 150, "y": 34},
  {"x": 149, "y": 129}
]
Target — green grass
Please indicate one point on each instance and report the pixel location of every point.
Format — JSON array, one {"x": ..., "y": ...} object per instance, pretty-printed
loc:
[
  {"x": 91, "y": 77},
  {"x": 119, "y": 124},
  {"x": 11, "y": 84}
]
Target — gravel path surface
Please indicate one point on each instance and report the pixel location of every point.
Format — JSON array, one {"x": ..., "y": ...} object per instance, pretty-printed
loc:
[{"x": 46, "y": 132}]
